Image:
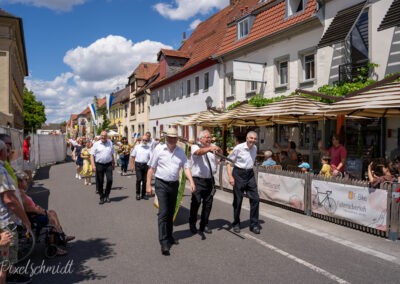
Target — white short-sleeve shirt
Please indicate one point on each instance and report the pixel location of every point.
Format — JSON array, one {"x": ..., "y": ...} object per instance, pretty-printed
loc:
[
  {"x": 166, "y": 163},
  {"x": 102, "y": 152},
  {"x": 199, "y": 164},
  {"x": 141, "y": 153},
  {"x": 244, "y": 157}
]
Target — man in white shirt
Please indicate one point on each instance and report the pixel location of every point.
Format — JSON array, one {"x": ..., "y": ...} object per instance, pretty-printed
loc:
[
  {"x": 103, "y": 163},
  {"x": 166, "y": 162},
  {"x": 204, "y": 166},
  {"x": 242, "y": 179},
  {"x": 140, "y": 156}
]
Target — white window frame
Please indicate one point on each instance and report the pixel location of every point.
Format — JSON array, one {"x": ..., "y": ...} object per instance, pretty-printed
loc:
[
  {"x": 280, "y": 73},
  {"x": 251, "y": 86},
  {"x": 243, "y": 28},
  {"x": 196, "y": 84},
  {"x": 206, "y": 81},
  {"x": 306, "y": 65},
  {"x": 292, "y": 5},
  {"x": 188, "y": 88}
]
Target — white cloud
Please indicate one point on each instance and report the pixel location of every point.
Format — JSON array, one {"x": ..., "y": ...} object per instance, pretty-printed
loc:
[
  {"x": 97, "y": 70},
  {"x": 185, "y": 9},
  {"x": 194, "y": 24},
  {"x": 57, "y": 5}
]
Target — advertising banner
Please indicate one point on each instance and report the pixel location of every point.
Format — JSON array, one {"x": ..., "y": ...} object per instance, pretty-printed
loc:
[
  {"x": 284, "y": 190},
  {"x": 361, "y": 205}
]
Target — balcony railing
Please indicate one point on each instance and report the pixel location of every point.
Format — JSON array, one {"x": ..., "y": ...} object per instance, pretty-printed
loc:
[{"x": 348, "y": 72}]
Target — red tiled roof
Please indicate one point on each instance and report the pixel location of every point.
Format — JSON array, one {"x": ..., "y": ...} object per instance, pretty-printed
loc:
[
  {"x": 206, "y": 39},
  {"x": 145, "y": 70},
  {"x": 85, "y": 111},
  {"x": 270, "y": 19},
  {"x": 173, "y": 53},
  {"x": 74, "y": 117},
  {"x": 101, "y": 102}
]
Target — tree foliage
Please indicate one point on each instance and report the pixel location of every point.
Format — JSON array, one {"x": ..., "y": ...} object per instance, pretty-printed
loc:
[
  {"x": 34, "y": 112},
  {"x": 106, "y": 122}
]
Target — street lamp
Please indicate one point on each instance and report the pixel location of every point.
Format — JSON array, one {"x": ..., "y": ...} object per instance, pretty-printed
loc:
[{"x": 209, "y": 102}]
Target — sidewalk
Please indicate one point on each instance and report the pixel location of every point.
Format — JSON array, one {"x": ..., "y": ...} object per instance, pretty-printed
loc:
[{"x": 364, "y": 242}]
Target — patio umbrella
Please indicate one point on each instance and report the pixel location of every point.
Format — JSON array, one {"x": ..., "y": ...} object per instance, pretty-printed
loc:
[{"x": 381, "y": 101}]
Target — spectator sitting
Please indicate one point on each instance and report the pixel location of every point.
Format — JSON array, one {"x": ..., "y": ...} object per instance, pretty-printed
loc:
[
  {"x": 379, "y": 173},
  {"x": 268, "y": 162},
  {"x": 326, "y": 169},
  {"x": 40, "y": 215},
  {"x": 304, "y": 167},
  {"x": 291, "y": 151}
]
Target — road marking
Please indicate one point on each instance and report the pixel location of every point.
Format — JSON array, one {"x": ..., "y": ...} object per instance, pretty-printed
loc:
[
  {"x": 324, "y": 235},
  {"x": 298, "y": 260},
  {"x": 344, "y": 242}
]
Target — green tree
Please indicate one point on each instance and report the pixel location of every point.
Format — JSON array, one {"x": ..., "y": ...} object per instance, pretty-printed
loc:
[
  {"x": 106, "y": 121},
  {"x": 34, "y": 112}
]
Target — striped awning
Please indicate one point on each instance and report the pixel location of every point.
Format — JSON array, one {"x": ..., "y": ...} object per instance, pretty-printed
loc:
[
  {"x": 293, "y": 109},
  {"x": 382, "y": 101}
]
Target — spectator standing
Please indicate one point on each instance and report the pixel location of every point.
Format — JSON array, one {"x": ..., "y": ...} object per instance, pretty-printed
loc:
[
  {"x": 338, "y": 154},
  {"x": 204, "y": 166},
  {"x": 166, "y": 161},
  {"x": 242, "y": 179},
  {"x": 103, "y": 164},
  {"x": 78, "y": 158},
  {"x": 140, "y": 156}
]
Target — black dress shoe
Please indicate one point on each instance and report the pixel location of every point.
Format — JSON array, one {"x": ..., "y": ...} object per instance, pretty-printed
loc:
[
  {"x": 101, "y": 201},
  {"x": 137, "y": 197},
  {"x": 236, "y": 229},
  {"x": 193, "y": 228},
  {"x": 206, "y": 230},
  {"x": 145, "y": 197},
  {"x": 255, "y": 230},
  {"x": 165, "y": 250}
]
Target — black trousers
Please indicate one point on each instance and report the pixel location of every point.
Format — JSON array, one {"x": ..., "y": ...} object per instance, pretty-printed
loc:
[
  {"x": 167, "y": 193},
  {"x": 202, "y": 193},
  {"x": 141, "y": 178},
  {"x": 245, "y": 181},
  {"x": 101, "y": 170}
]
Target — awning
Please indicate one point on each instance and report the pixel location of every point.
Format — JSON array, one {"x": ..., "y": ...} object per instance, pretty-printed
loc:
[
  {"x": 292, "y": 109},
  {"x": 381, "y": 101},
  {"x": 341, "y": 25},
  {"x": 392, "y": 17}
]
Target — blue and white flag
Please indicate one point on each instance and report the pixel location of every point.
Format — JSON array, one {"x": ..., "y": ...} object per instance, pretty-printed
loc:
[
  {"x": 93, "y": 112},
  {"x": 109, "y": 101}
]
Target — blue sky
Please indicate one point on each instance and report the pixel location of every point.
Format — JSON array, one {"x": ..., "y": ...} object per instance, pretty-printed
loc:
[{"x": 80, "y": 48}]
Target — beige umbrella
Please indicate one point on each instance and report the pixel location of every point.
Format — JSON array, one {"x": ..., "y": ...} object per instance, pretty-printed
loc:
[
  {"x": 381, "y": 101},
  {"x": 292, "y": 109}
]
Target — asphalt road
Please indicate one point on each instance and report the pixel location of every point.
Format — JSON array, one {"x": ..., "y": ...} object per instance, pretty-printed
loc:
[{"x": 118, "y": 242}]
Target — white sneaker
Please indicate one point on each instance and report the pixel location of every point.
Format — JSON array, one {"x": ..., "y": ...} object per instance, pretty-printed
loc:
[
  {"x": 79, "y": 177},
  {"x": 76, "y": 176},
  {"x": 85, "y": 182}
]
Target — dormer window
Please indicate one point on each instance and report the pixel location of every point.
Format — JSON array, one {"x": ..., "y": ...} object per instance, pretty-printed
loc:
[
  {"x": 244, "y": 26},
  {"x": 294, "y": 6}
]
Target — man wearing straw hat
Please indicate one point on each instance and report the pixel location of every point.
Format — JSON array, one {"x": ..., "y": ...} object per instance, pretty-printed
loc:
[{"x": 166, "y": 162}]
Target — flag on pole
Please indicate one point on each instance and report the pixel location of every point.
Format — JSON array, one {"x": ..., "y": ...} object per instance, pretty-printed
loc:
[
  {"x": 93, "y": 112},
  {"x": 109, "y": 101}
]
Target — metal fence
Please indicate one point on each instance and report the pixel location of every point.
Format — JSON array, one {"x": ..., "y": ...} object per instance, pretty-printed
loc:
[
  {"x": 44, "y": 150},
  {"x": 346, "y": 202}
]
